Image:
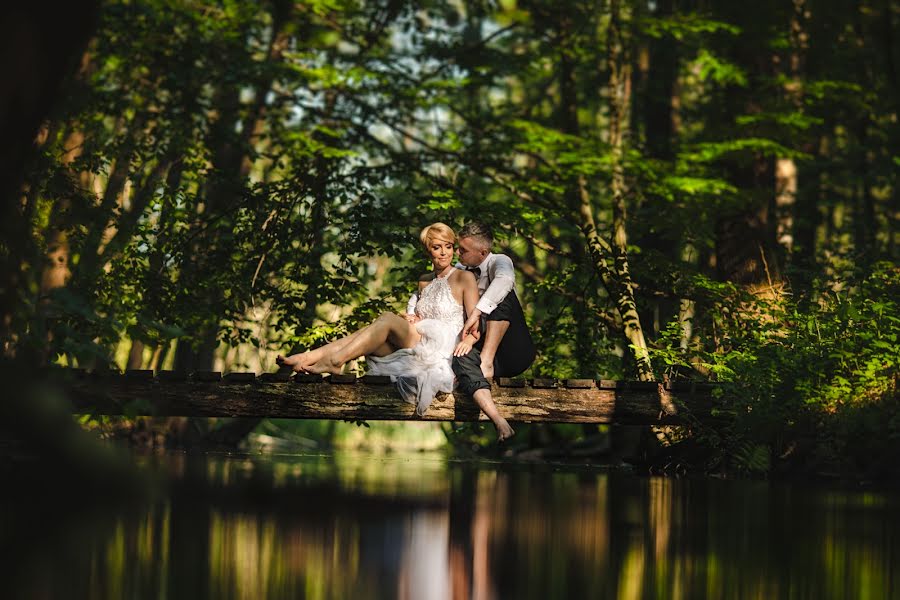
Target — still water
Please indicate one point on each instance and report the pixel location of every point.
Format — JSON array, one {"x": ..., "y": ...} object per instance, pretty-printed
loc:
[{"x": 422, "y": 527}]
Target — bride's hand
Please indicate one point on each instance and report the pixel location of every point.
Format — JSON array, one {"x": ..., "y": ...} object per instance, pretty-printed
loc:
[
  {"x": 412, "y": 319},
  {"x": 462, "y": 348}
]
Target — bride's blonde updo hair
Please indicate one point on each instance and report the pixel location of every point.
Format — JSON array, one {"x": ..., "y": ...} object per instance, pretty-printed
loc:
[{"x": 437, "y": 231}]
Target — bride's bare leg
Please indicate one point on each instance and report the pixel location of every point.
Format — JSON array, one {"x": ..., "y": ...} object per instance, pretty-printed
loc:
[
  {"x": 301, "y": 360},
  {"x": 387, "y": 333},
  {"x": 485, "y": 402}
]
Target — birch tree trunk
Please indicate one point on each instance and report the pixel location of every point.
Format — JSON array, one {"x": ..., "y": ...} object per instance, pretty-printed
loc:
[
  {"x": 786, "y": 176},
  {"x": 610, "y": 261}
]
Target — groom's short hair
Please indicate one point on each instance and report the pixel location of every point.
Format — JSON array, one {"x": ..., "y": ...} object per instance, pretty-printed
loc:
[{"x": 479, "y": 231}]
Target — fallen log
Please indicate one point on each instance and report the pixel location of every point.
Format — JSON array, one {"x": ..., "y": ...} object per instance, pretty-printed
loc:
[{"x": 346, "y": 397}]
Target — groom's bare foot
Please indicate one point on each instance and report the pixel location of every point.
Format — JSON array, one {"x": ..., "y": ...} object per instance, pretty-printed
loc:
[
  {"x": 504, "y": 431},
  {"x": 487, "y": 369}
]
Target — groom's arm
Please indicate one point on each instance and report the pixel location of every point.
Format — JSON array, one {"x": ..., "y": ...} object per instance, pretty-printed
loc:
[{"x": 503, "y": 280}]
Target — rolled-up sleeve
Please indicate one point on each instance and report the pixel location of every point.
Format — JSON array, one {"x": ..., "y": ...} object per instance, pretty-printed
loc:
[{"x": 503, "y": 280}]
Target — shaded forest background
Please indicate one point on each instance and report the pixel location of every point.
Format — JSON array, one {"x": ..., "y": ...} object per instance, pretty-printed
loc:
[{"x": 689, "y": 189}]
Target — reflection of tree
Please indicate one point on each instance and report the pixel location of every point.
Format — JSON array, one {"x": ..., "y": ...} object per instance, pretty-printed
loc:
[
  {"x": 250, "y": 532},
  {"x": 661, "y": 503},
  {"x": 490, "y": 497},
  {"x": 549, "y": 534},
  {"x": 188, "y": 537},
  {"x": 462, "y": 508},
  {"x": 478, "y": 504}
]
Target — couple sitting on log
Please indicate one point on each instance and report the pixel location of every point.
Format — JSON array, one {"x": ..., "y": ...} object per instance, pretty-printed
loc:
[{"x": 462, "y": 327}]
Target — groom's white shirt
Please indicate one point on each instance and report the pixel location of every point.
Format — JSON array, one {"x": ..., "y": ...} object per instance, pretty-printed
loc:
[{"x": 497, "y": 279}]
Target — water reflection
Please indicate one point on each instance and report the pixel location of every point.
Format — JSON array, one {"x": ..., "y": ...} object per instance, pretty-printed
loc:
[{"x": 422, "y": 528}]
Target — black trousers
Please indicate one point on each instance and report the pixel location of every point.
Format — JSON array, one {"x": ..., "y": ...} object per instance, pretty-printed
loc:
[{"x": 515, "y": 353}]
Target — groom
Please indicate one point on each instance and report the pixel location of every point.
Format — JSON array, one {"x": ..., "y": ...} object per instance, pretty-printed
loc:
[{"x": 505, "y": 348}]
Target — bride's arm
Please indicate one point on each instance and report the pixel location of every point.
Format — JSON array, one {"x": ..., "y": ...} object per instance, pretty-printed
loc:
[
  {"x": 470, "y": 299},
  {"x": 469, "y": 290},
  {"x": 410, "y": 314}
]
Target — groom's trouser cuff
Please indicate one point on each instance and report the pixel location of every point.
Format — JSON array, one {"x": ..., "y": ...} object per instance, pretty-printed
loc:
[{"x": 469, "y": 378}]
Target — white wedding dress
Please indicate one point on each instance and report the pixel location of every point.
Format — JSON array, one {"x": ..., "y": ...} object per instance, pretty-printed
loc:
[{"x": 425, "y": 369}]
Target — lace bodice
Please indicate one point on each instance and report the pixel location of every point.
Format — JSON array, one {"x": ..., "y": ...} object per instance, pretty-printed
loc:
[{"x": 436, "y": 301}]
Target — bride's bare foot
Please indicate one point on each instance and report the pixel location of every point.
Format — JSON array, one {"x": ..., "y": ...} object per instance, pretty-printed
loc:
[
  {"x": 297, "y": 362},
  {"x": 325, "y": 365}
]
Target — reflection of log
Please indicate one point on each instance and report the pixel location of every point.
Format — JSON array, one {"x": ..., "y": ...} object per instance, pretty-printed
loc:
[{"x": 375, "y": 398}]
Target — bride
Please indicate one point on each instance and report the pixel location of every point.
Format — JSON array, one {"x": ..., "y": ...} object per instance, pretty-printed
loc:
[{"x": 416, "y": 350}]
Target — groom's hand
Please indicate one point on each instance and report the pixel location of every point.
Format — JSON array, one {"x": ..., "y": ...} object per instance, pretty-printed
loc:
[{"x": 473, "y": 324}]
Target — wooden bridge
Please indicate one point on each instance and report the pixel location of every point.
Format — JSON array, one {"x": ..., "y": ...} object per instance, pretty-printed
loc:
[{"x": 281, "y": 395}]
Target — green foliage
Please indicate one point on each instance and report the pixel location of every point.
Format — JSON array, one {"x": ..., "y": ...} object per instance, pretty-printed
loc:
[
  {"x": 719, "y": 71},
  {"x": 686, "y": 27},
  {"x": 256, "y": 175},
  {"x": 821, "y": 375}
]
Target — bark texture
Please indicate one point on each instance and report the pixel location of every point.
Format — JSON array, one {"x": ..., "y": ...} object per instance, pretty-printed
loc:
[{"x": 539, "y": 400}]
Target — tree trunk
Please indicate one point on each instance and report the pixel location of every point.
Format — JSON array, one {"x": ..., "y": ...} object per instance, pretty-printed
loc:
[
  {"x": 621, "y": 291},
  {"x": 811, "y": 196},
  {"x": 221, "y": 189},
  {"x": 864, "y": 224},
  {"x": 39, "y": 48},
  {"x": 655, "y": 101},
  {"x": 746, "y": 247},
  {"x": 56, "y": 272},
  {"x": 618, "y": 65},
  {"x": 747, "y": 251},
  {"x": 786, "y": 174},
  {"x": 785, "y": 201},
  {"x": 615, "y": 278},
  {"x": 568, "y": 123},
  {"x": 659, "y": 93},
  {"x": 233, "y": 162},
  {"x": 135, "y": 355},
  {"x": 745, "y": 239}
]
